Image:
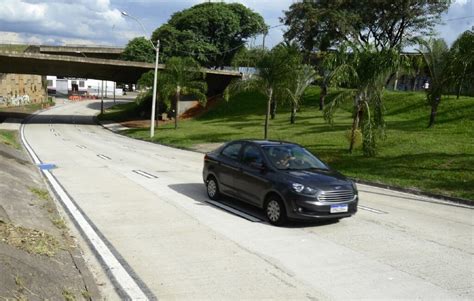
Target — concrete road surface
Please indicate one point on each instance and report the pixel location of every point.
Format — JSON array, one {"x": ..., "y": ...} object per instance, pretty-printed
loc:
[{"x": 146, "y": 209}]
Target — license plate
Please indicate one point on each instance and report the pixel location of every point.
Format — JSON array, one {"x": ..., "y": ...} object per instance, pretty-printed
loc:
[{"x": 339, "y": 208}]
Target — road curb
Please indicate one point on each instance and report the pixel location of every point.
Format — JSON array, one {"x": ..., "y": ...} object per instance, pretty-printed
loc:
[{"x": 418, "y": 192}]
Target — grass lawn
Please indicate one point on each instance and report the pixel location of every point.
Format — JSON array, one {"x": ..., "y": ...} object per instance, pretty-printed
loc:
[
  {"x": 10, "y": 138},
  {"x": 13, "y": 47},
  {"x": 438, "y": 160}
]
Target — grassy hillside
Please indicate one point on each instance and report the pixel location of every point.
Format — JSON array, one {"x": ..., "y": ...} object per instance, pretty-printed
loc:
[
  {"x": 438, "y": 160},
  {"x": 13, "y": 47}
]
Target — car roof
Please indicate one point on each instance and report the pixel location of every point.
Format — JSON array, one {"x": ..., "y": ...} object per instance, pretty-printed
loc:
[{"x": 266, "y": 142}]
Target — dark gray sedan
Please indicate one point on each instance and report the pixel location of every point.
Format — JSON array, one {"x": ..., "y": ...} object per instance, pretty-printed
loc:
[{"x": 283, "y": 178}]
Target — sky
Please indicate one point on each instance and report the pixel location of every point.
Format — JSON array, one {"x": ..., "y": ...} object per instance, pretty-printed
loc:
[{"x": 100, "y": 22}]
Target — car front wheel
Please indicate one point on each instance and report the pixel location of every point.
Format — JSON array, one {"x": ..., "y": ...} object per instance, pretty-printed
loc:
[
  {"x": 212, "y": 188},
  {"x": 275, "y": 211}
]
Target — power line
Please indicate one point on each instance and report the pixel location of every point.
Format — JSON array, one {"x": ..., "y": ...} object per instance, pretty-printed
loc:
[{"x": 460, "y": 18}]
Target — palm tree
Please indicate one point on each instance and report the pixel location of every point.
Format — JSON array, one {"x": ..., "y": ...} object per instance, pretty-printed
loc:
[
  {"x": 300, "y": 80},
  {"x": 273, "y": 68},
  {"x": 436, "y": 56},
  {"x": 182, "y": 76},
  {"x": 368, "y": 70},
  {"x": 332, "y": 68},
  {"x": 462, "y": 54},
  {"x": 416, "y": 66}
]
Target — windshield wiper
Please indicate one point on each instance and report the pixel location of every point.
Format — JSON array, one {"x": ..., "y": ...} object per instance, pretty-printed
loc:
[{"x": 316, "y": 168}]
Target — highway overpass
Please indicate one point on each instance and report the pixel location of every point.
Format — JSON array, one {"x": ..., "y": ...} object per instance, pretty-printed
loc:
[{"x": 94, "y": 68}]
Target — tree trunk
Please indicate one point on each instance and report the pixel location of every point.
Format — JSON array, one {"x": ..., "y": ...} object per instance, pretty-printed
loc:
[
  {"x": 293, "y": 113},
  {"x": 355, "y": 126},
  {"x": 395, "y": 83},
  {"x": 267, "y": 116},
  {"x": 273, "y": 109},
  {"x": 434, "y": 111},
  {"x": 176, "y": 115},
  {"x": 415, "y": 81},
  {"x": 322, "y": 96},
  {"x": 460, "y": 83}
]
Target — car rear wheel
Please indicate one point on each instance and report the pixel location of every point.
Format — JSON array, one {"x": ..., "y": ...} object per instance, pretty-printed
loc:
[
  {"x": 212, "y": 188},
  {"x": 275, "y": 211}
]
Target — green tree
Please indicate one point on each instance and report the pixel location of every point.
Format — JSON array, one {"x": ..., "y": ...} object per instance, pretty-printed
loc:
[
  {"x": 163, "y": 103},
  {"x": 139, "y": 50},
  {"x": 301, "y": 78},
  {"x": 273, "y": 69},
  {"x": 437, "y": 58},
  {"x": 328, "y": 66},
  {"x": 309, "y": 25},
  {"x": 417, "y": 65},
  {"x": 383, "y": 24},
  {"x": 462, "y": 64},
  {"x": 368, "y": 70},
  {"x": 182, "y": 76},
  {"x": 248, "y": 57},
  {"x": 210, "y": 32}
]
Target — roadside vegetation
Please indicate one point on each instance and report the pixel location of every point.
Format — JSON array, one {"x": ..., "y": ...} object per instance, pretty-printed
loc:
[
  {"x": 30, "y": 240},
  {"x": 13, "y": 47},
  {"x": 438, "y": 159},
  {"x": 10, "y": 138}
]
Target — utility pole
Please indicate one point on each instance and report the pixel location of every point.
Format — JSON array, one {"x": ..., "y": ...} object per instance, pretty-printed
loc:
[
  {"x": 155, "y": 79},
  {"x": 102, "y": 99}
]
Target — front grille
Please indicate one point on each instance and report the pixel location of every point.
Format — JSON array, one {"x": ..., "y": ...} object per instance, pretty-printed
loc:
[{"x": 336, "y": 196}]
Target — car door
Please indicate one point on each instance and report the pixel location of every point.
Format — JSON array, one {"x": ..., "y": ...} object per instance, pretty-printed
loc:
[
  {"x": 228, "y": 167},
  {"x": 251, "y": 181}
]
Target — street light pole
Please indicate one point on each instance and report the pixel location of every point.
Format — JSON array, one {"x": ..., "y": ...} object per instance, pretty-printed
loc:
[{"x": 155, "y": 79}]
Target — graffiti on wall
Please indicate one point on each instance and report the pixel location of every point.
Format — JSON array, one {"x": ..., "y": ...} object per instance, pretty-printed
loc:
[{"x": 15, "y": 100}]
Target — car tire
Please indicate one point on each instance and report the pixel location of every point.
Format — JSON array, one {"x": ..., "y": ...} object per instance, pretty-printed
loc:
[
  {"x": 275, "y": 210},
  {"x": 212, "y": 188}
]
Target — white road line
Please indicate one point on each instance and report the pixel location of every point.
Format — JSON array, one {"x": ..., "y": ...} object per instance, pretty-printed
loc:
[
  {"x": 27, "y": 146},
  {"x": 371, "y": 209},
  {"x": 104, "y": 157},
  {"x": 122, "y": 277},
  {"x": 145, "y": 174},
  {"x": 235, "y": 211}
]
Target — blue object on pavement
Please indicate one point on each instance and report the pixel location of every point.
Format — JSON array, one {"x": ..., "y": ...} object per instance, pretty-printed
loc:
[{"x": 46, "y": 166}]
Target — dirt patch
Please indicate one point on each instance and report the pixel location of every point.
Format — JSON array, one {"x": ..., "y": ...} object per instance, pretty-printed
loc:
[
  {"x": 39, "y": 259},
  {"x": 29, "y": 240},
  {"x": 193, "y": 112}
]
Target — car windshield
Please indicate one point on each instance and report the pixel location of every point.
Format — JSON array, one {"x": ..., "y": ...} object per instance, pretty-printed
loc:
[{"x": 292, "y": 157}]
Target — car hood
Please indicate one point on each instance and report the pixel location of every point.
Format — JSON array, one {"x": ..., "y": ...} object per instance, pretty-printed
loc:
[{"x": 319, "y": 178}]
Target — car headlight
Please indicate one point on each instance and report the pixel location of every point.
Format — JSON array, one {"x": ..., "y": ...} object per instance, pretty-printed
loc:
[
  {"x": 354, "y": 186},
  {"x": 300, "y": 188}
]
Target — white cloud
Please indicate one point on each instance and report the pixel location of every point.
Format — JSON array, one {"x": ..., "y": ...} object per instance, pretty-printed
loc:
[
  {"x": 100, "y": 21},
  {"x": 460, "y": 2},
  {"x": 19, "y": 11},
  {"x": 459, "y": 18}
]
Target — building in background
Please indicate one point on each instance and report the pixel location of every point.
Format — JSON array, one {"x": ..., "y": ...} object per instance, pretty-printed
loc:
[{"x": 66, "y": 86}]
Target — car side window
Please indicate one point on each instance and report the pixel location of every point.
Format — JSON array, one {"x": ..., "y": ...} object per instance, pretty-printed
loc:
[
  {"x": 252, "y": 155},
  {"x": 232, "y": 151}
]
